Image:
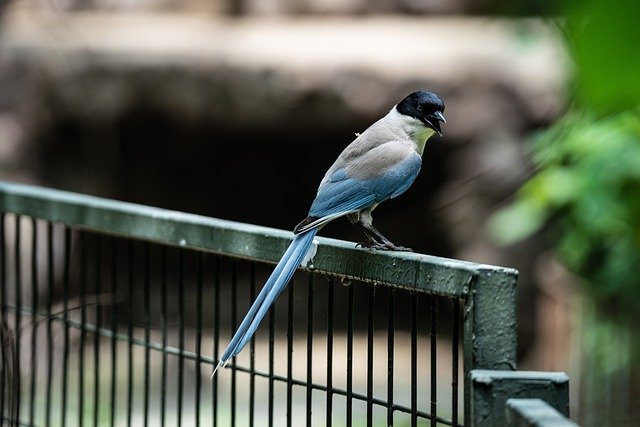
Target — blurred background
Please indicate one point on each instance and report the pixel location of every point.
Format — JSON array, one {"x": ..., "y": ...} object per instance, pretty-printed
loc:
[{"x": 235, "y": 109}]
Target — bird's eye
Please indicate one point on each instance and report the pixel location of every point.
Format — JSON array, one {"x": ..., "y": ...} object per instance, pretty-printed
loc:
[{"x": 419, "y": 107}]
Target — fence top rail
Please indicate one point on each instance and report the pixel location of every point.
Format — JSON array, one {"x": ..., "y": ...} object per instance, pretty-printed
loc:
[{"x": 328, "y": 256}]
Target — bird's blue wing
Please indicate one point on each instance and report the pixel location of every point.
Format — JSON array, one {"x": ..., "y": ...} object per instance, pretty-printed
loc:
[{"x": 342, "y": 193}]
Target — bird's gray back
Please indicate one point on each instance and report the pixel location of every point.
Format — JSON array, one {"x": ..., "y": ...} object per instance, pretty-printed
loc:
[{"x": 367, "y": 154}]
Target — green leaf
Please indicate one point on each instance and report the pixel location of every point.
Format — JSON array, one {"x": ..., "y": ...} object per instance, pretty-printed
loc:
[{"x": 515, "y": 223}]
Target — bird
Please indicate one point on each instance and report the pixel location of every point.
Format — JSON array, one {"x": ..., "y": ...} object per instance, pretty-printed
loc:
[{"x": 380, "y": 164}]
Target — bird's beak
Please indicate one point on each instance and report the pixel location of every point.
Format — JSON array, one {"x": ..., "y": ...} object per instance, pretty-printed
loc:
[
  {"x": 434, "y": 120},
  {"x": 439, "y": 116}
]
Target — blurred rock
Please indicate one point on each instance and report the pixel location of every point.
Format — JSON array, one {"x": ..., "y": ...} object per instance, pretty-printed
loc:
[
  {"x": 493, "y": 72},
  {"x": 280, "y": 7},
  {"x": 288, "y": 78}
]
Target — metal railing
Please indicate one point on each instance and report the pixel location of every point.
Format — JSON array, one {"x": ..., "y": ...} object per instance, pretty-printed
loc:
[
  {"x": 114, "y": 313},
  {"x": 535, "y": 412}
]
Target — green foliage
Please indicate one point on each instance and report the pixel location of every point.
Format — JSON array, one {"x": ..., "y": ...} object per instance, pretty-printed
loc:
[
  {"x": 585, "y": 198},
  {"x": 603, "y": 38},
  {"x": 587, "y": 190}
]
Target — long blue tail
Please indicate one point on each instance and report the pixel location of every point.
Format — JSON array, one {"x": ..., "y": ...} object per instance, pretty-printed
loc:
[{"x": 272, "y": 289}]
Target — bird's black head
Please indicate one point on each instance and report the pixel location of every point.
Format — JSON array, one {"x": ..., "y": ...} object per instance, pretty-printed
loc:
[{"x": 424, "y": 106}]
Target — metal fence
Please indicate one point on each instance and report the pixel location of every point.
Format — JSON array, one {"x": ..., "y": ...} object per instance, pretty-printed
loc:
[
  {"x": 535, "y": 412},
  {"x": 114, "y": 313}
]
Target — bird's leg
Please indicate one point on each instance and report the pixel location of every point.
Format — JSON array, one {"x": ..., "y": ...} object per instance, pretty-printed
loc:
[
  {"x": 375, "y": 239},
  {"x": 383, "y": 242},
  {"x": 371, "y": 238}
]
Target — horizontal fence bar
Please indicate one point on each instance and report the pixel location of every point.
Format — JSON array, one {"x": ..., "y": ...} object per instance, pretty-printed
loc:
[
  {"x": 535, "y": 412},
  {"x": 442, "y": 276}
]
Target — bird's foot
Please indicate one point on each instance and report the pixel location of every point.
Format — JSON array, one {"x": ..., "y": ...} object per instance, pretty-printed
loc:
[
  {"x": 392, "y": 247},
  {"x": 365, "y": 245},
  {"x": 383, "y": 246}
]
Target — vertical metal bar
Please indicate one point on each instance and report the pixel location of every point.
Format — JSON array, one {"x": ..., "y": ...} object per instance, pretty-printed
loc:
[
  {"x": 391, "y": 326},
  {"x": 163, "y": 320},
  {"x": 234, "y": 323},
  {"x": 130, "y": 285},
  {"x": 3, "y": 313},
  {"x": 433, "y": 312},
  {"x": 350, "y": 355},
  {"x": 200, "y": 273},
  {"x": 50, "y": 280},
  {"x": 216, "y": 335},
  {"x": 114, "y": 329},
  {"x": 147, "y": 332},
  {"x": 18, "y": 330},
  {"x": 330, "y": 327},
  {"x": 181, "y": 255},
  {"x": 34, "y": 318},
  {"x": 252, "y": 350},
  {"x": 65, "y": 317},
  {"x": 290, "y": 319},
  {"x": 370, "y": 372},
  {"x": 83, "y": 320},
  {"x": 272, "y": 316},
  {"x": 454, "y": 362},
  {"x": 96, "y": 336},
  {"x": 309, "y": 346},
  {"x": 414, "y": 359}
]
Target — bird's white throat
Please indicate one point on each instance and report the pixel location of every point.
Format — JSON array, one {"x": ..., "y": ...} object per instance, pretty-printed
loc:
[{"x": 413, "y": 128}]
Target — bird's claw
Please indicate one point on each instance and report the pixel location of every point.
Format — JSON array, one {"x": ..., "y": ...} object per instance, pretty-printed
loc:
[{"x": 383, "y": 247}]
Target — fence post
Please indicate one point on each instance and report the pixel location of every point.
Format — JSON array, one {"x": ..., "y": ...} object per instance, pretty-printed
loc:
[
  {"x": 490, "y": 335},
  {"x": 491, "y": 389}
]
